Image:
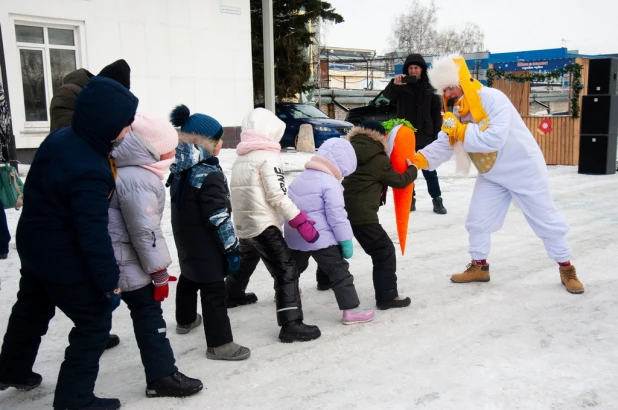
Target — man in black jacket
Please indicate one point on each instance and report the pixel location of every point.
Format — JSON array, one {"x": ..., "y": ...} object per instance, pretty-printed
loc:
[
  {"x": 67, "y": 259},
  {"x": 418, "y": 103}
]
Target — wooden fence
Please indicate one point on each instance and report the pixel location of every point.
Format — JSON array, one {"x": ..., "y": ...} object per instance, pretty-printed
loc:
[{"x": 561, "y": 145}]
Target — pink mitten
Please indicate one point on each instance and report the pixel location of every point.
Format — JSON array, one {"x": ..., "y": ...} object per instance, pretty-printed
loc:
[{"x": 305, "y": 227}]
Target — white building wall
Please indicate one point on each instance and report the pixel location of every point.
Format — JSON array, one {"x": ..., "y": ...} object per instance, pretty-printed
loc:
[{"x": 194, "y": 52}]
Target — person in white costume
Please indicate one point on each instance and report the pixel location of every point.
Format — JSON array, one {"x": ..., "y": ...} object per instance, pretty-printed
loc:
[{"x": 510, "y": 167}]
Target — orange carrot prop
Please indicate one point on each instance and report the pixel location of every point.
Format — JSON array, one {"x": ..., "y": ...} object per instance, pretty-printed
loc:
[{"x": 401, "y": 145}]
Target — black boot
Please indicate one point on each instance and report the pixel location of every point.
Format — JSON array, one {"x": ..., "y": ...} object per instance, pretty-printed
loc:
[
  {"x": 438, "y": 207},
  {"x": 29, "y": 383},
  {"x": 100, "y": 404},
  {"x": 395, "y": 303},
  {"x": 297, "y": 331},
  {"x": 323, "y": 286},
  {"x": 413, "y": 207},
  {"x": 233, "y": 301},
  {"x": 235, "y": 294},
  {"x": 174, "y": 385},
  {"x": 112, "y": 341}
]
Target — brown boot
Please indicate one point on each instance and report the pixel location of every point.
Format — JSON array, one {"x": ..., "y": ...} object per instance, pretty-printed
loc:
[
  {"x": 473, "y": 273},
  {"x": 568, "y": 276}
]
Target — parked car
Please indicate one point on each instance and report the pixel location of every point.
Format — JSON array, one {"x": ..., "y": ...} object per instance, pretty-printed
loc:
[
  {"x": 294, "y": 115},
  {"x": 379, "y": 109}
]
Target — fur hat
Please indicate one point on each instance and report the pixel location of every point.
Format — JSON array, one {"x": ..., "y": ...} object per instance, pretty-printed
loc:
[
  {"x": 444, "y": 72},
  {"x": 200, "y": 124},
  {"x": 156, "y": 131}
]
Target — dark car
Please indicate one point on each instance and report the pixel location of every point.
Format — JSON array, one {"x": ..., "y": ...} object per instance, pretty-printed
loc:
[
  {"x": 294, "y": 115},
  {"x": 379, "y": 109}
]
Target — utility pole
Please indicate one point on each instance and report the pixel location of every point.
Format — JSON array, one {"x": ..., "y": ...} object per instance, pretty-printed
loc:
[{"x": 269, "y": 55}]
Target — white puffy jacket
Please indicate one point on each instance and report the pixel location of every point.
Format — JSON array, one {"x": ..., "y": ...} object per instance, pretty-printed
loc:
[{"x": 259, "y": 193}]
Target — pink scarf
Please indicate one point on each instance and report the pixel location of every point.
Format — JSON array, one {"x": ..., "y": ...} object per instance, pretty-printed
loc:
[
  {"x": 324, "y": 165},
  {"x": 254, "y": 141},
  {"x": 160, "y": 168}
]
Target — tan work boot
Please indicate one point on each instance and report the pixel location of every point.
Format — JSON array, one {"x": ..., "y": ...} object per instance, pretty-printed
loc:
[
  {"x": 568, "y": 276},
  {"x": 473, "y": 273}
]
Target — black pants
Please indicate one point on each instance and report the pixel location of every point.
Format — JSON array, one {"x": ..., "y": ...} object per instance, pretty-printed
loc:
[
  {"x": 85, "y": 305},
  {"x": 377, "y": 244},
  {"x": 5, "y": 235},
  {"x": 433, "y": 185},
  {"x": 150, "y": 333},
  {"x": 217, "y": 326},
  {"x": 332, "y": 264},
  {"x": 270, "y": 247}
]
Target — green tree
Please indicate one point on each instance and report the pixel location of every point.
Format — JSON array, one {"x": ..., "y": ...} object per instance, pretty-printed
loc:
[{"x": 292, "y": 37}]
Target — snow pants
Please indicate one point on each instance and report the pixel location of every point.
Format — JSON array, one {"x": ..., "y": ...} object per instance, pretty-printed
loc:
[{"x": 490, "y": 203}]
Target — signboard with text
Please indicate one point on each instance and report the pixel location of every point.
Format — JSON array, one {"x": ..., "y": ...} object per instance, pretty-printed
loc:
[{"x": 537, "y": 65}]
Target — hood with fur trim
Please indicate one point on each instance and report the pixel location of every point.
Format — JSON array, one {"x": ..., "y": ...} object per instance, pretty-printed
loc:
[{"x": 367, "y": 144}]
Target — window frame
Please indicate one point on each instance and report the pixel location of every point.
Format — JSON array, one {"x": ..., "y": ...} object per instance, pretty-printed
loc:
[{"x": 78, "y": 29}]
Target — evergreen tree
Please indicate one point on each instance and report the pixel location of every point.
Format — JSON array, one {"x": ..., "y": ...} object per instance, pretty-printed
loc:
[{"x": 292, "y": 38}]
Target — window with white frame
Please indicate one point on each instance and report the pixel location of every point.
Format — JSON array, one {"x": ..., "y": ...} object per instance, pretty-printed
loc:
[{"x": 47, "y": 53}]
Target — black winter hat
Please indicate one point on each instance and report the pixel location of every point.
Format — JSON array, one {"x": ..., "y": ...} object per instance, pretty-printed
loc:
[
  {"x": 374, "y": 126},
  {"x": 118, "y": 70}
]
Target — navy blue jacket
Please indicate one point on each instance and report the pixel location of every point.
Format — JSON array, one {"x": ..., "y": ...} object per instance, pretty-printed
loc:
[{"x": 62, "y": 234}]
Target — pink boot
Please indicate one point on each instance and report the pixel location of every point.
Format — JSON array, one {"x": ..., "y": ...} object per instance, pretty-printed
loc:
[{"x": 354, "y": 316}]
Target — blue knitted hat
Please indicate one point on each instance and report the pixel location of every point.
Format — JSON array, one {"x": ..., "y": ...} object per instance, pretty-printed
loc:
[
  {"x": 200, "y": 124},
  {"x": 373, "y": 125}
]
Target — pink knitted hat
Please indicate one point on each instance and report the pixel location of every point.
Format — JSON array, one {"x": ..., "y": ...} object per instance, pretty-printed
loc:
[{"x": 156, "y": 131}]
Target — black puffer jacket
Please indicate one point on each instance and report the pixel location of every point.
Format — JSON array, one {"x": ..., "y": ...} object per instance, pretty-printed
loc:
[
  {"x": 417, "y": 103},
  {"x": 201, "y": 210}
]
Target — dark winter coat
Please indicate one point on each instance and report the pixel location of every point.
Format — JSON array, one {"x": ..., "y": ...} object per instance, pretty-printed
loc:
[
  {"x": 201, "y": 210},
  {"x": 61, "y": 107},
  {"x": 365, "y": 187},
  {"x": 62, "y": 234},
  {"x": 417, "y": 103}
]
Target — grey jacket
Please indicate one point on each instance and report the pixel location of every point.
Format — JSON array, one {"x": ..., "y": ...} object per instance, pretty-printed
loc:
[{"x": 135, "y": 214}]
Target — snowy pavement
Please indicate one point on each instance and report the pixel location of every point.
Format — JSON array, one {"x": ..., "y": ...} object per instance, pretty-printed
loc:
[{"x": 518, "y": 342}]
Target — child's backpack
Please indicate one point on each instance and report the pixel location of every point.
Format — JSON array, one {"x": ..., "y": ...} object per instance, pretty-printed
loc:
[{"x": 11, "y": 187}]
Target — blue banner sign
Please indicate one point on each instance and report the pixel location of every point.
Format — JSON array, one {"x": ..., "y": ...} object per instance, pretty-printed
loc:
[{"x": 536, "y": 65}]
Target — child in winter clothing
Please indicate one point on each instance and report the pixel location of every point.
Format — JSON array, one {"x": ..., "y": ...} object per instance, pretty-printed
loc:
[
  {"x": 260, "y": 201},
  {"x": 318, "y": 190},
  {"x": 203, "y": 231},
  {"x": 135, "y": 212},
  {"x": 364, "y": 193}
]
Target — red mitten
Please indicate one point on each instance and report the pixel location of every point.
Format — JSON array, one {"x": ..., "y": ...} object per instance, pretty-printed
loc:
[{"x": 160, "y": 280}]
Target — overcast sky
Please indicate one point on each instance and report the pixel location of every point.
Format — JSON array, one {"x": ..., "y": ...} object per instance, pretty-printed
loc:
[{"x": 590, "y": 26}]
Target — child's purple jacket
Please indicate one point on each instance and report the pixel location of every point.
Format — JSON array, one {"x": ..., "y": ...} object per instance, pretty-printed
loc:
[{"x": 320, "y": 195}]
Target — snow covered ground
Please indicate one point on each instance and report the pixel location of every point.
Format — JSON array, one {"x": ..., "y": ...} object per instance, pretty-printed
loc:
[{"x": 518, "y": 342}]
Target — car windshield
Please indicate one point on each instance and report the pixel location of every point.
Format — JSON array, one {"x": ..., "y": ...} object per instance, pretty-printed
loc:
[{"x": 305, "y": 111}]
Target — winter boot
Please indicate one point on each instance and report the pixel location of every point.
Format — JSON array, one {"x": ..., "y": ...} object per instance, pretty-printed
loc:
[
  {"x": 99, "y": 404},
  {"x": 413, "y": 207},
  {"x": 297, "y": 331},
  {"x": 29, "y": 383},
  {"x": 473, "y": 273},
  {"x": 233, "y": 301},
  {"x": 398, "y": 302},
  {"x": 323, "y": 286},
  {"x": 438, "y": 207},
  {"x": 112, "y": 341},
  {"x": 184, "y": 329},
  {"x": 174, "y": 385},
  {"x": 228, "y": 351},
  {"x": 568, "y": 276},
  {"x": 354, "y": 316}
]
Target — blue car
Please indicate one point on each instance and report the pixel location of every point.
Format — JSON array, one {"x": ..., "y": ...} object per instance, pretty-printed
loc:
[{"x": 294, "y": 115}]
